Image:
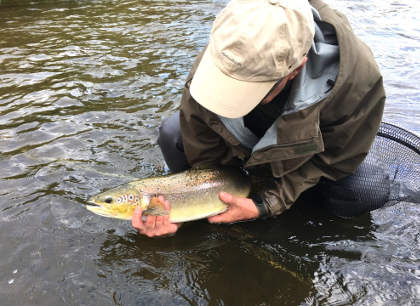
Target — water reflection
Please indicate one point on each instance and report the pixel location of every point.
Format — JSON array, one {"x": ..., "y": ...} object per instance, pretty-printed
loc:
[
  {"x": 264, "y": 262},
  {"x": 210, "y": 267}
]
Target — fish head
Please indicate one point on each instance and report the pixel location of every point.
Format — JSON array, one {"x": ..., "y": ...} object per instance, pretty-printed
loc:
[{"x": 119, "y": 202}]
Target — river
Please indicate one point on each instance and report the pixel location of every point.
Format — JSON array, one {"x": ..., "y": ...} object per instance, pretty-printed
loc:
[{"x": 84, "y": 85}]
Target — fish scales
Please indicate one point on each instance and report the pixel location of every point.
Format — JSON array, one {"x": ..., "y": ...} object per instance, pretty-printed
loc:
[{"x": 192, "y": 194}]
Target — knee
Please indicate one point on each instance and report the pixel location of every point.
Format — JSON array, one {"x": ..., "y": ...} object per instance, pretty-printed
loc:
[
  {"x": 169, "y": 130},
  {"x": 170, "y": 143}
]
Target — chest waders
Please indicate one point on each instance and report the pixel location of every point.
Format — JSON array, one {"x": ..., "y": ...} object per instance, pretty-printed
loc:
[{"x": 389, "y": 174}]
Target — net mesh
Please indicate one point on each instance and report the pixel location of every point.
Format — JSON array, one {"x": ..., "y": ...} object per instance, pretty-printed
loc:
[
  {"x": 389, "y": 174},
  {"x": 397, "y": 152}
]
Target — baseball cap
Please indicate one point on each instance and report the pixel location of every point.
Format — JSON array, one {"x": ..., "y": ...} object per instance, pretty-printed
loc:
[{"x": 253, "y": 44}]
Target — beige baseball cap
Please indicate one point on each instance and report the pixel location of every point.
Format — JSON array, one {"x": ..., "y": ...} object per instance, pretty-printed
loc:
[{"x": 253, "y": 44}]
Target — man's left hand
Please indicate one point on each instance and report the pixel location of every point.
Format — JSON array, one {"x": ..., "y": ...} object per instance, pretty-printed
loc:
[{"x": 239, "y": 209}]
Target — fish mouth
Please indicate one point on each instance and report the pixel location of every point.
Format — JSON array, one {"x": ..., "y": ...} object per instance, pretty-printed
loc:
[
  {"x": 91, "y": 203},
  {"x": 101, "y": 211}
]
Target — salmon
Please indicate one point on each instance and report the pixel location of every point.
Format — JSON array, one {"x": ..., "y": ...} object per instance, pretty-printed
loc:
[{"x": 192, "y": 195}]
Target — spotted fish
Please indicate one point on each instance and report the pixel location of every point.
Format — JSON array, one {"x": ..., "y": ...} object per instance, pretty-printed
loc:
[{"x": 192, "y": 195}]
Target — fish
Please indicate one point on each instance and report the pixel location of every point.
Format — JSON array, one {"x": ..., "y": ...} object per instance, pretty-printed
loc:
[{"x": 192, "y": 195}]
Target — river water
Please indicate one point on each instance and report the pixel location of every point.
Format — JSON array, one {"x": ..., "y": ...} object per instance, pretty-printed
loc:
[{"x": 84, "y": 85}]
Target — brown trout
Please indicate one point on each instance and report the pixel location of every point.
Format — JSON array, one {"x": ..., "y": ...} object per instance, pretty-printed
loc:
[{"x": 192, "y": 195}]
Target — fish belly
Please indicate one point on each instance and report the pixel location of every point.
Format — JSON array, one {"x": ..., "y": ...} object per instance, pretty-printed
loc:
[{"x": 189, "y": 207}]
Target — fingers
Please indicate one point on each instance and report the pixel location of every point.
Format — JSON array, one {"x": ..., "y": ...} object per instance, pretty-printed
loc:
[
  {"x": 227, "y": 197},
  {"x": 154, "y": 226},
  {"x": 136, "y": 220},
  {"x": 222, "y": 218},
  {"x": 150, "y": 222},
  {"x": 225, "y": 217},
  {"x": 159, "y": 221},
  {"x": 239, "y": 209},
  {"x": 157, "y": 226}
]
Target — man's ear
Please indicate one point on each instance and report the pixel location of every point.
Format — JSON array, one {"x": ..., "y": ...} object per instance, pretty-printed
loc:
[{"x": 295, "y": 72}]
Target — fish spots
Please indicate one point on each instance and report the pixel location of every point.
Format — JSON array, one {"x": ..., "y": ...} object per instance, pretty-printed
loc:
[{"x": 127, "y": 198}]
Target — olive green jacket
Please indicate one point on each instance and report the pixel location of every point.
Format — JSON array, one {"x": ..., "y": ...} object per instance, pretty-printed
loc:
[{"x": 326, "y": 128}]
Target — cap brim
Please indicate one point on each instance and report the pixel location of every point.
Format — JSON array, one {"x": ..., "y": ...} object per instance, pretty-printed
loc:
[{"x": 223, "y": 95}]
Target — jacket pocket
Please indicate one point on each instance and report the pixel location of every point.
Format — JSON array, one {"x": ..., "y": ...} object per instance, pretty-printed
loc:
[
  {"x": 299, "y": 138},
  {"x": 301, "y": 127}
]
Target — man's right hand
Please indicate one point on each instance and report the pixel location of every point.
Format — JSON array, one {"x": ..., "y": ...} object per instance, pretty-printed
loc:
[{"x": 154, "y": 226}]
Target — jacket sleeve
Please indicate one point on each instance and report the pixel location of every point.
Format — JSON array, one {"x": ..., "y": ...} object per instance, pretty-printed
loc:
[
  {"x": 346, "y": 143},
  {"x": 203, "y": 146}
]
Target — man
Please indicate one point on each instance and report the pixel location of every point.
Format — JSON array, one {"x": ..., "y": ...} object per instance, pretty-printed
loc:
[{"x": 283, "y": 89}]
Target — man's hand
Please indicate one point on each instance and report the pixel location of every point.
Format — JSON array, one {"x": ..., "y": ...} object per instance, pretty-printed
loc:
[
  {"x": 239, "y": 209},
  {"x": 154, "y": 225}
]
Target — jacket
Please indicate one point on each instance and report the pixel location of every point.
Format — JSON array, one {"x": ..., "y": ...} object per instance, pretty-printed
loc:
[{"x": 326, "y": 129}]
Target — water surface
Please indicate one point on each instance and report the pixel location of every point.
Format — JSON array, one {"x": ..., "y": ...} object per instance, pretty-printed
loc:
[{"x": 84, "y": 85}]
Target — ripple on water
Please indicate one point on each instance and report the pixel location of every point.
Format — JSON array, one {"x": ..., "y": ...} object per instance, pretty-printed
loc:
[{"x": 83, "y": 88}]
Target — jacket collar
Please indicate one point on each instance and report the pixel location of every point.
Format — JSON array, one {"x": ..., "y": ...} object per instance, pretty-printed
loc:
[{"x": 312, "y": 85}]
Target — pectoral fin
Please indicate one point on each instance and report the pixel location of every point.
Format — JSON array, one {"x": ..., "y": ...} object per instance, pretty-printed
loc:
[{"x": 155, "y": 208}]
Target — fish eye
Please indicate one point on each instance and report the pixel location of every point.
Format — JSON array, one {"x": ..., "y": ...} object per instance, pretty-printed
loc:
[{"x": 108, "y": 200}]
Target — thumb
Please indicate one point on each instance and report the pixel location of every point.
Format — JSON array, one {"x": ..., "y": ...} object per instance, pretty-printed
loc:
[
  {"x": 227, "y": 198},
  {"x": 136, "y": 220}
]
